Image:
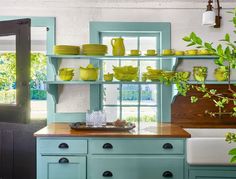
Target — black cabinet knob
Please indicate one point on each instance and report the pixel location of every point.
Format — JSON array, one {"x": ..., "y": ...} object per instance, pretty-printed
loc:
[
  {"x": 107, "y": 174},
  {"x": 107, "y": 146},
  {"x": 63, "y": 146},
  {"x": 63, "y": 160},
  {"x": 167, "y": 146},
  {"x": 167, "y": 174}
]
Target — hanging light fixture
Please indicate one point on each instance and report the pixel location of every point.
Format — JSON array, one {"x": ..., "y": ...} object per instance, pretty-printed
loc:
[{"x": 209, "y": 17}]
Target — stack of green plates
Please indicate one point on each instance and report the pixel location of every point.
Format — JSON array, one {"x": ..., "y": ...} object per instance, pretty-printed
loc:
[
  {"x": 94, "y": 49},
  {"x": 66, "y": 50}
]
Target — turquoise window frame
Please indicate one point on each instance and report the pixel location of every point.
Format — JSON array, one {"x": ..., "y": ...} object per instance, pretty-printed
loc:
[
  {"x": 50, "y": 24},
  {"x": 99, "y": 29}
]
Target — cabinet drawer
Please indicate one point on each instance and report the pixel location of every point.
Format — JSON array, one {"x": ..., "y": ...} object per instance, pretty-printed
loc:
[
  {"x": 62, "y": 167},
  {"x": 136, "y": 146},
  {"x": 135, "y": 167},
  {"x": 62, "y": 146}
]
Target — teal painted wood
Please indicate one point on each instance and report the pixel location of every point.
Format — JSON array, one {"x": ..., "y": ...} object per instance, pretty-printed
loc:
[
  {"x": 217, "y": 172},
  {"x": 135, "y": 167},
  {"x": 51, "y": 168},
  {"x": 99, "y": 28},
  {"x": 61, "y": 146},
  {"x": 136, "y": 146},
  {"x": 86, "y": 57}
]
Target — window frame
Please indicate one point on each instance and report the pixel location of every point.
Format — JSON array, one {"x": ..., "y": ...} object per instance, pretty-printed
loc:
[
  {"x": 164, "y": 28},
  {"x": 50, "y": 24}
]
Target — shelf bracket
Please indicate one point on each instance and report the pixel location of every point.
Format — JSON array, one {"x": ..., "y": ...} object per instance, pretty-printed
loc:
[{"x": 53, "y": 91}]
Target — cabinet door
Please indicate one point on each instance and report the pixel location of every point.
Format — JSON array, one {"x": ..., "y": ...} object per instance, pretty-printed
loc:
[
  {"x": 210, "y": 174},
  {"x": 62, "y": 167},
  {"x": 135, "y": 167}
]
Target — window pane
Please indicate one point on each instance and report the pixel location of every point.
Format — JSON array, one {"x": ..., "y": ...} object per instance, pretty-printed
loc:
[
  {"x": 112, "y": 113},
  {"x": 130, "y": 94},
  {"x": 131, "y": 43},
  {"x": 145, "y": 64},
  {"x": 111, "y": 94},
  {"x": 8, "y": 69},
  {"x": 130, "y": 114},
  {"x": 148, "y": 43},
  {"x": 148, "y": 95},
  {"x": 148, "y": 115},
  {"x": 108, "y": 65}
]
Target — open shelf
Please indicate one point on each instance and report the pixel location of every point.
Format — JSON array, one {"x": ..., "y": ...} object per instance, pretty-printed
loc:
[
  {"x": 203, "y": 57},
  {"x": 98, "y": 82}
]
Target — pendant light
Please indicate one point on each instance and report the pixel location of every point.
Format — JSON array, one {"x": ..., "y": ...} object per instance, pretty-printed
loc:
[{"x": 209, "y": 17}]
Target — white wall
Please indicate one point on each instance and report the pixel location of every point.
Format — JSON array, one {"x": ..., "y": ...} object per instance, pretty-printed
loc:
[{"x": 73, "y": 18}]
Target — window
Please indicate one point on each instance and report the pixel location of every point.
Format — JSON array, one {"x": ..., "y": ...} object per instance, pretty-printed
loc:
[
  {"x": 139, "y": 103},
  {"x": 132, "y": 102},
  {"x": 40, "y": 45}
]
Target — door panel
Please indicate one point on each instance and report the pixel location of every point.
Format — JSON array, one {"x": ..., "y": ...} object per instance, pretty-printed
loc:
[{"x": 19, "y": 112}]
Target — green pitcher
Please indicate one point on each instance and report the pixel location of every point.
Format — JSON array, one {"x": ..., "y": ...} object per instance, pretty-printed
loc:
[{"x": 118, "y": 46}]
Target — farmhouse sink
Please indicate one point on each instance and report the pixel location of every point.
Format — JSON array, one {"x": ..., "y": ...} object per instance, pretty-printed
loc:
[{"x": 208, "y": 147}]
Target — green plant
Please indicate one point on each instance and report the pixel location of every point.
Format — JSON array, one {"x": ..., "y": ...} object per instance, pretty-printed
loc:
[{"x": 226, "y": 57}]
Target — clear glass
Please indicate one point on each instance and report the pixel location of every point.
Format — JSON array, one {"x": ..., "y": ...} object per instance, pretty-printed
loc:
[
  {"x": 108, "y": 66},
  {"x": 148, "y": 94},
  {"x": 8, "y": 70},
  {"x": 111, "y": 94},
  {"x": 148, "y": 43},
  {"x": 131, "y": 43},
  {"x": 130, "y": 94},
  {"x": 112, "y": 113},
  {"x": 130, "y": 114},
  {"x": 148, "y": 116}
]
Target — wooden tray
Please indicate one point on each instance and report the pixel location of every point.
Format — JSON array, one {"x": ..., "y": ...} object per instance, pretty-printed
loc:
[{"x": 108, "y": 127}]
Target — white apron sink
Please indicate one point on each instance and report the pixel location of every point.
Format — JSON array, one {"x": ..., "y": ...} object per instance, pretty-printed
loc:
[{"x": 208, "y": 147}]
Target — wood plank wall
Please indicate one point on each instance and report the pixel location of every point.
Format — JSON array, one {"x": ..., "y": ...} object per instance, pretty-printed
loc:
[
  {"x": 18, "y": 150},
  {"x": 186, "y": 114}
]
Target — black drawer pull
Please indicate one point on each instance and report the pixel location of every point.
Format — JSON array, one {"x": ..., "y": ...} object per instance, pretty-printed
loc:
[
  {"x": 107, "y": 146},
  {"x": 167, "y": 146},
  {"x": 167, "y": 174},
  {"x": 63, "y": 160},
  {"x": 107, "y": 174},
  {"x": 63, "y": 146}
]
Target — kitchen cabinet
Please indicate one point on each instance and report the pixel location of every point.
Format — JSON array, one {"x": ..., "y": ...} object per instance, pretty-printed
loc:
[
  {"x": 60, "y": 158},
  {"x": 61, "y": 167},
  {"x": 201, "y": 172},
  {"x": 117, "y": 158}
]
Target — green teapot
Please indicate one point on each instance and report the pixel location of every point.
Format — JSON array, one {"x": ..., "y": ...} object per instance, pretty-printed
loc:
[{"x": 118, "y": 47}]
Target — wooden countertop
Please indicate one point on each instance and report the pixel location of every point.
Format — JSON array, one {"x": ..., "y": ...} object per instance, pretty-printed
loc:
[{"x": 157, "y": 130}]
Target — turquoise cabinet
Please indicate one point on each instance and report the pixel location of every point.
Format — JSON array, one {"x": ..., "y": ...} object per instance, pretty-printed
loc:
[
  {"x": 213, "y": 173},
  {"x": 62, "y": 167},
  {"x": 135, "y": 167},
  {"x": 117, "y": 158}
]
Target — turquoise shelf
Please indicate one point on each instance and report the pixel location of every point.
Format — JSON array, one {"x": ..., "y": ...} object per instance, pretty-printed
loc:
[
  {"x": 99, "y": 82},
  {"x": 127, "y": 82},
  {"x": 131, "y": 57},
  {"x": 213, "y": 82}
]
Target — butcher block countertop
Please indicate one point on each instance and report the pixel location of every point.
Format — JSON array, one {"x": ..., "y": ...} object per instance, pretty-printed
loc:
[{"x": 156, "y": 130}]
